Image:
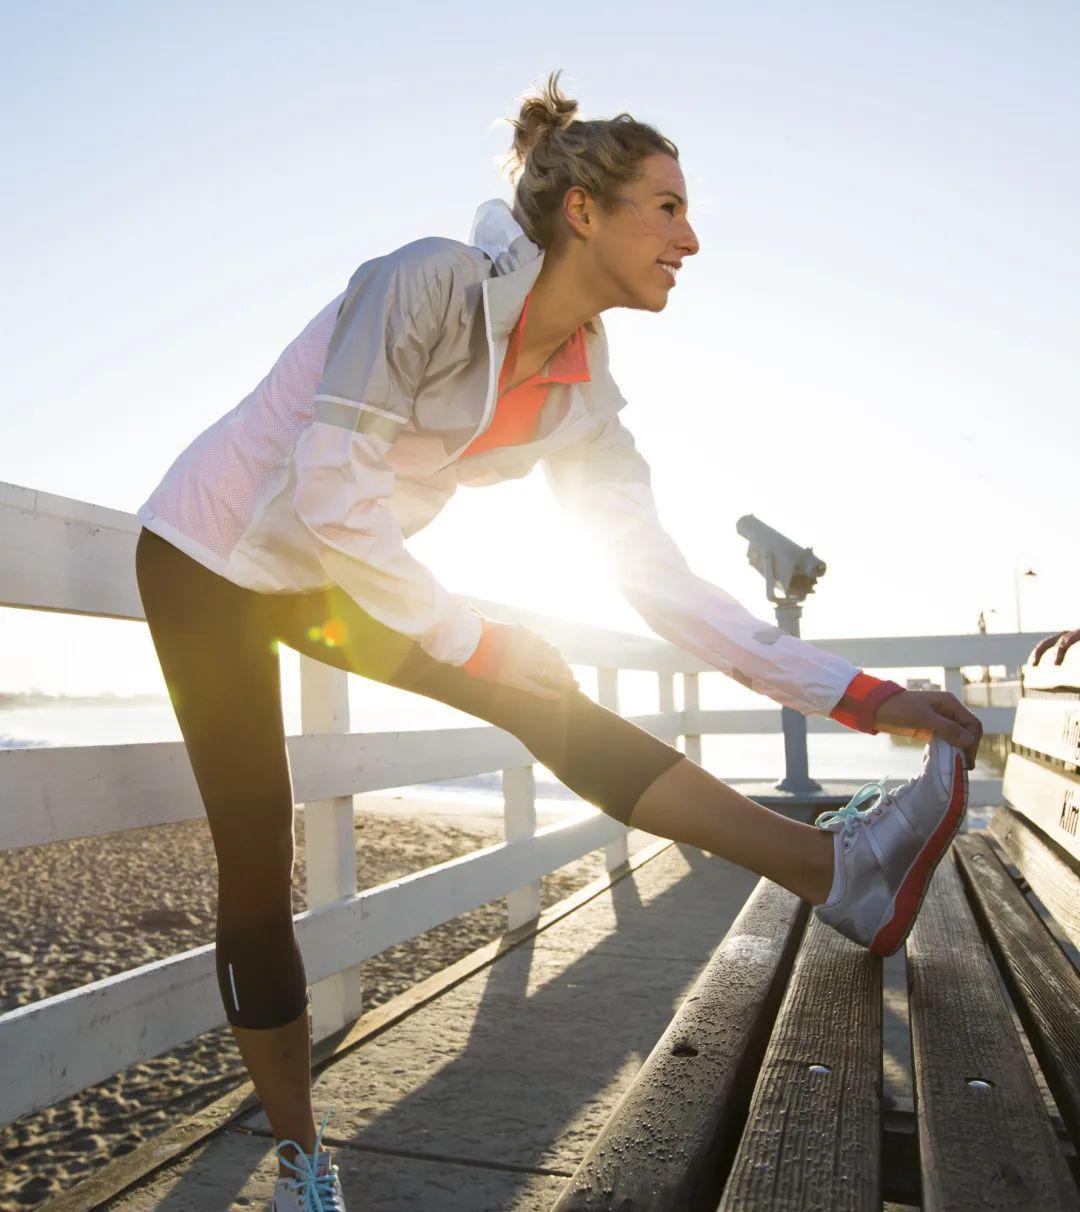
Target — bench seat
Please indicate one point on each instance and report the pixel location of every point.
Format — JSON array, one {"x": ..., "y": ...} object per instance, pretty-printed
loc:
[{"x": 765, "y": 1091}]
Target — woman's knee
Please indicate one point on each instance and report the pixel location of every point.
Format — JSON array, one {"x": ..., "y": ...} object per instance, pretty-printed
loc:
[
  {"x": 605, "y": 758},
  {"x": 255, "y": 871}
]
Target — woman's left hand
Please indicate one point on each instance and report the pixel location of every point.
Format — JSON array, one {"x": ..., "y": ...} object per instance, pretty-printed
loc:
[{"x": 925, "y": 713}]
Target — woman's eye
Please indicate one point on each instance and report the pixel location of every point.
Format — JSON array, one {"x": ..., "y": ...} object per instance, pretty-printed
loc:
[{"x": 671, "y": 204}]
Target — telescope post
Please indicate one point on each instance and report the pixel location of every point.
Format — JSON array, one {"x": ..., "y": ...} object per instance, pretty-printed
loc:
[{"x": 797, "y": 778}]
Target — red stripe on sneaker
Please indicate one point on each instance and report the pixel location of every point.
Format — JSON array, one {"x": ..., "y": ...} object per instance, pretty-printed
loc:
[{"x": 912, "y": 890}]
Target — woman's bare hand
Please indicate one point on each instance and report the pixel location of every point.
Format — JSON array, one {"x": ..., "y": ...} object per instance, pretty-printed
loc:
[
  {"x": 523, "y": 659},
  {"x": 922, "y": 713}
]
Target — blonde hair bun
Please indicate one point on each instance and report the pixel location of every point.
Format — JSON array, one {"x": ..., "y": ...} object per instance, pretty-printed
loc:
[{"x": 554, "y": 150}]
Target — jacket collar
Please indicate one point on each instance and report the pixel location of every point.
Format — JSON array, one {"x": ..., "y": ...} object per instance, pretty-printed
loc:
[{"x": 516, "y": 260}]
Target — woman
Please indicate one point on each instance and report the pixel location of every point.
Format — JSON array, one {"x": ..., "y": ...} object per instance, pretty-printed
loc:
[{"x": 441, "y": 364}]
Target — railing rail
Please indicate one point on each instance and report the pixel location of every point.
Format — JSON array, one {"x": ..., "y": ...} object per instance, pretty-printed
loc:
[
  {"x": 67, "y": 792},
  {"x": 78, "y": 558}
]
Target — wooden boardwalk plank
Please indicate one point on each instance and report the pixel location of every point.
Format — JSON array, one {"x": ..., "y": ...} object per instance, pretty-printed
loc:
[
  {"x": 981, "y": 1145},
  {"x": 813, "y": 1134},
  {"x": 669, "y": 1141},
  {"x": 1044, "y": 985}
]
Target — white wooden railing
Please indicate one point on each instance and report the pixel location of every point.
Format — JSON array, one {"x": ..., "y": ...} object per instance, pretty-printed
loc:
[{"x": 78, "y": 558}]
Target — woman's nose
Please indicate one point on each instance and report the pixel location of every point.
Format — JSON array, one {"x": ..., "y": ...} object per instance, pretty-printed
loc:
[{"x": 690, "y": 244}]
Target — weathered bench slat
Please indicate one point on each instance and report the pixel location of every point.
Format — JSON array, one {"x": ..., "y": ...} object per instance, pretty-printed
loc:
[
  {"x": 669, "y": 1142},
  {"x": 1050, "y": 726},
  {"x": 1050, "y": 876},
  {"x": 1049, "y": 798},
  {"x": 979, "y": 1147},
  {"x": 1044, "y": 985},
  {"x": 813, "y": 1135}
]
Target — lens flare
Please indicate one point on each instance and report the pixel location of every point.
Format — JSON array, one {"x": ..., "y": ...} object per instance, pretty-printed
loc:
[
  {"x": 333, "y": 633},
  {"x": 336, "y": 632}
]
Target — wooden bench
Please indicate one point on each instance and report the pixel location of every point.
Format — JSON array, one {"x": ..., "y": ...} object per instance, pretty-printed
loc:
[{"x": 765, "y": 1092}]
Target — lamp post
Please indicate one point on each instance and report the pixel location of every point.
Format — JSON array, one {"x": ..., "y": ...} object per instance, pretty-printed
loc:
[
  {"x": 1016, "y": 585},
  {"x": 982, "y": 631}
]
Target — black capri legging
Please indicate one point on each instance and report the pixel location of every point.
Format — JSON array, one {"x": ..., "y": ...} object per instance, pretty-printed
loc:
[{"x": 218, "y": 647}]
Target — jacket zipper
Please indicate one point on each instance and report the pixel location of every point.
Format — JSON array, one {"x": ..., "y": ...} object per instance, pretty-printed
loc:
[{"x": 493, "y": 381}]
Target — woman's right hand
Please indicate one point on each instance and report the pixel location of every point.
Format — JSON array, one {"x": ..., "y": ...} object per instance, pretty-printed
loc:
[{"x": 513, "y": 655}]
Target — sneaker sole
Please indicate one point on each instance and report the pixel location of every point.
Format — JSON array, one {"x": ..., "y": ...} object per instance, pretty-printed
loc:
[{"x": 912, "y": 891}]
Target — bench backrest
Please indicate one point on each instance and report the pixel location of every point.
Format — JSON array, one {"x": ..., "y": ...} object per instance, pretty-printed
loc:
[{"x": 1039, "y": 829}]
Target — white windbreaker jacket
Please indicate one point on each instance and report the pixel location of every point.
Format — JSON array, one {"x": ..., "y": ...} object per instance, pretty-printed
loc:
[{"x": 351, "y": 443}]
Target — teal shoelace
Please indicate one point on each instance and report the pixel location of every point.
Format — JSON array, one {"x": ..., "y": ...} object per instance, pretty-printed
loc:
[
  {"x": 317, "y": 1189},
  {"x": 851, "y": 815}
]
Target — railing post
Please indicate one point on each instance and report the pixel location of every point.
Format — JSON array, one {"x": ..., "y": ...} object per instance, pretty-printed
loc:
[
  {"x": 691, "y": 703},
  {"x": 954, "y": 683},
  {"x": 616, "y": 853},
  {"x": 665, "y": 684},
  {"x": 329, "y": 843},
  {"x": 519, "y": 817}
]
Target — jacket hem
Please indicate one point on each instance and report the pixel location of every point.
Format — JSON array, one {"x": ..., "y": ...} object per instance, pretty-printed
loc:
[{"x": 188, "y": 545}]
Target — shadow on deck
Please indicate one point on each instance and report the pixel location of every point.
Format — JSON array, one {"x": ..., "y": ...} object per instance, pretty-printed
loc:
[{"x": 483, "y": 1087}]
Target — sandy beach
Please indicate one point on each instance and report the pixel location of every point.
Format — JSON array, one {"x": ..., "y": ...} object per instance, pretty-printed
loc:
[{"x": 76, "y": 911}]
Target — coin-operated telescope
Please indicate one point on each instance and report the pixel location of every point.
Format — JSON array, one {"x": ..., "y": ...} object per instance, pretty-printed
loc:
[
  {"x": 780, "y": 561},
  {"x": 795, "y": 570}
]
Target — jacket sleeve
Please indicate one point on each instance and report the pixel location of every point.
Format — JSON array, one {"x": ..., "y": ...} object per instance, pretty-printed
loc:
[
  {"x": 606, "y": 484},
  {"x": 390, "y": 321}
]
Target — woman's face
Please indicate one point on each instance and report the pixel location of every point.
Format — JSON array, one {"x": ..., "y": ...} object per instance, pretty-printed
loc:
[{"x": 648, "y": 226}]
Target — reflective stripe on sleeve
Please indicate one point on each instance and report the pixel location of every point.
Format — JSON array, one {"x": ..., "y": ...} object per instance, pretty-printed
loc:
[{"x": 362, "y": 418}]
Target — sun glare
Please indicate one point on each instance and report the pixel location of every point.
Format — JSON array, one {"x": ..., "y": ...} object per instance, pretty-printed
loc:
[{"x": 511, "y": 543}]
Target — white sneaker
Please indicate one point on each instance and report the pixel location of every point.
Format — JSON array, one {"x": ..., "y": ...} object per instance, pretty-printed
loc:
[
  {"x": 317, "y": 1189},
  {"x": 885, "y": 855}
]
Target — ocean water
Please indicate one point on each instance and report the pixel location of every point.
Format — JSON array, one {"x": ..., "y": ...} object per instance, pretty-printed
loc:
[{"x": 849, "y": 755}]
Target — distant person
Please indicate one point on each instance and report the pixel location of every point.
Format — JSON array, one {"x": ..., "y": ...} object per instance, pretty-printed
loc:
[{"x": 446, "y": 363}]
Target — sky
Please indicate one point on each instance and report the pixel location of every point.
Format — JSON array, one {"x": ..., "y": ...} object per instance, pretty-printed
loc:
[{"x": 874, "y": 350}]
